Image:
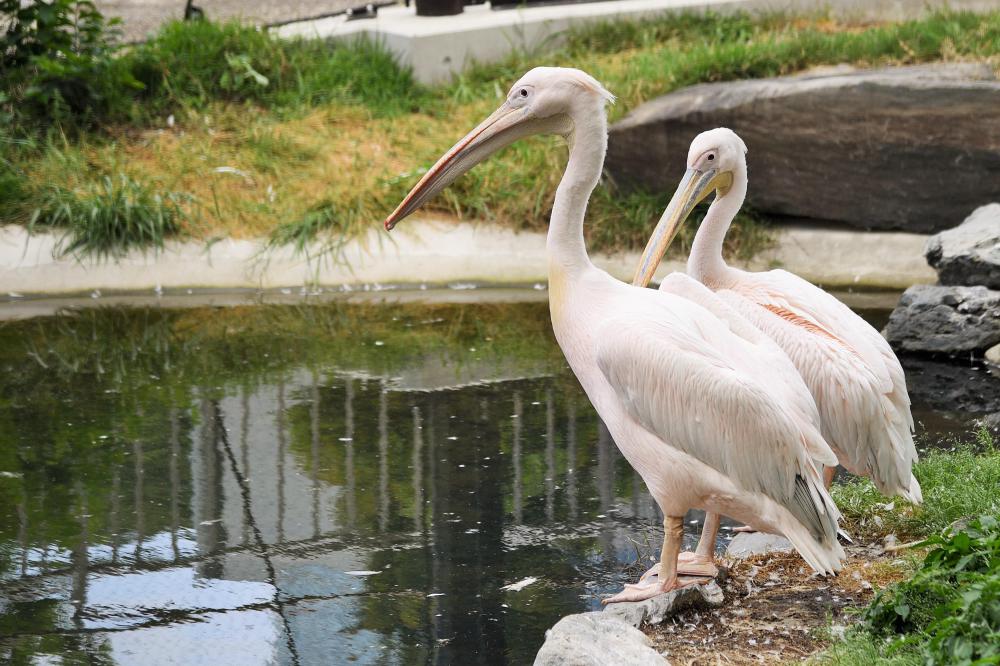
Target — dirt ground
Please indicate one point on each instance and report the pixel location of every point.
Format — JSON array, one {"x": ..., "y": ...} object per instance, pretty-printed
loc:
[{"x": 776, "y": 611}]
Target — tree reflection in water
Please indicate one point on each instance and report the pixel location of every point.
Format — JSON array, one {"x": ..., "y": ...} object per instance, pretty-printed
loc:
[{"x": 300, "y": 485}]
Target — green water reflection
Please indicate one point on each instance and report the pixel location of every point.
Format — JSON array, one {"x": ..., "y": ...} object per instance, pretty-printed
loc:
[
  {"x": 216, "y": 485},
  {"x": 306, "y": 484}
]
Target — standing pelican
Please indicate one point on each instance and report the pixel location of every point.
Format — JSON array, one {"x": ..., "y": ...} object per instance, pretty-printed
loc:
[
  {"x": 853, "y": 375},
  {"x": 688, "y": 400}
]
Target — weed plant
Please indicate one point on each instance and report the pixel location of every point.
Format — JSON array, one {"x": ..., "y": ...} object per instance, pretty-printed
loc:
[
  {"x": 109, "y": 219},
  {"x": 951, "y": 606},
  {"x": 948, "y": 611}
]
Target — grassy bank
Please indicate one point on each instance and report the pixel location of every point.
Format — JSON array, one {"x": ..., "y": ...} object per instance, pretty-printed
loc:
[
  {"x": 252, "y": 136},
  {"x": 956, "y": 484},
  {"x": 947, "y": 610}
]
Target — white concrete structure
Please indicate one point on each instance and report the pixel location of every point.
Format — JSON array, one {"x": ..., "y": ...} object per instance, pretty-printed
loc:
[
  {"x": 437, "y": 47},
  {"x": 428, "y": 252}
]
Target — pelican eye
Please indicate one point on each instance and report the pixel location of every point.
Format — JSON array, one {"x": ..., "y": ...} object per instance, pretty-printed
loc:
[
  {"x": 523, "y": 92},
  {"x": 711, "y": 156}
]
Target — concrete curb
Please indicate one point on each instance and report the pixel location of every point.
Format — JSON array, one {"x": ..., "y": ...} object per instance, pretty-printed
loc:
[{"x": 428, "y": 252}]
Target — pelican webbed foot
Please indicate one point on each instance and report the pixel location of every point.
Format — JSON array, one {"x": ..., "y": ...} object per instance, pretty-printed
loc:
[
  {"x": 642, "y": 591},
  {"x": 688, "y": 564}
]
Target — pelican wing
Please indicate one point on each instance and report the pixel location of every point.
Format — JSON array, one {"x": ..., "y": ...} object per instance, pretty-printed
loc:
[
  {"x": 771, "y": 359},
  {"x": 866, "y": 412},
  {"x": 685, "y": 377}
]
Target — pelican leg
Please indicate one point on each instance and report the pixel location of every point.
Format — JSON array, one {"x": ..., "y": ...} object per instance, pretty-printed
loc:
[
  {"x": 673, "y": 535},
  {"x": 702, "y": 561},
  {"x": 828, "y": 474}
]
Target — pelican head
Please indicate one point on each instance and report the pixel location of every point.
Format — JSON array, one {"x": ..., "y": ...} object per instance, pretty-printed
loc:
[
  {"x": 715, "y": 156},
  {"x": 543, "y": 101}
]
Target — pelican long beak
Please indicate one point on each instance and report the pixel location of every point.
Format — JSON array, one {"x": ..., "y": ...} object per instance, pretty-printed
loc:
[
  {"x": 693, "y": 188},
  {"x": 503, "y": 127}
]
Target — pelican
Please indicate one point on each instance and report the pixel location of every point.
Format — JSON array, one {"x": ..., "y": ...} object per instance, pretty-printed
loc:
[
  {"x": 689, "y": 399},
  {"x": 852, "y": 373}
]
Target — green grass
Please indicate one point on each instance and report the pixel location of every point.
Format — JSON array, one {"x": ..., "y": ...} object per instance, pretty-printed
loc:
[
  {"x": 191, "y": 64},
  {"x": 344, "y": 130},
  {"x": 861, "y": 648},
  {"x": 110, "y": 218},
  {"x": 948, "y": 610},
  {"x": 680, "y": 50},
  {"x": 957, "y": 484}
]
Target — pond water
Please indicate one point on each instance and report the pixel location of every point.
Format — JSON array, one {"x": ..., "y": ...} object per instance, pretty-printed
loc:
[{"x": 317, "y": 483}]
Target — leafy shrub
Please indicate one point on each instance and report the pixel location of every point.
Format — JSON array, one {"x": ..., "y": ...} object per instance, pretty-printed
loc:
[
  {"x": 110, "y": 218},
  {"x": 953, "y": 601},
  {"x": 59, "y": 62},
  {"x": 64, "y": 68}
]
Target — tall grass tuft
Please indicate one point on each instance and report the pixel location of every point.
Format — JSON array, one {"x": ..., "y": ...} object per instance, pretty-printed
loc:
[
  {"x": 110, "y": 218},
  {"x": 14, "y": 188},
  {"x": 300, "y": 233}
]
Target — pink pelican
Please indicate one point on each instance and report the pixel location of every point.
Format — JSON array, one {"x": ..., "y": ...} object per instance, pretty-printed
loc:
[
  {"x": 710, "y": 413},
  {"x": 852, "y": 373}
]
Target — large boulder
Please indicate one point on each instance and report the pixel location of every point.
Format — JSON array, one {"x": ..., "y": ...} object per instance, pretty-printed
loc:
[
  {"x": 596, "y": 639},
  {"x": 969, "y": 254},
  {"x": 945, "y": 320},
  {"x": 911, "y": 148}
]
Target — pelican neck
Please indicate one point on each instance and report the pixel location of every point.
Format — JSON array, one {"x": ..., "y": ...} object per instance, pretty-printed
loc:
[
  {"x": 587, "y": 146},
  {"x": 706, "y": 263}
]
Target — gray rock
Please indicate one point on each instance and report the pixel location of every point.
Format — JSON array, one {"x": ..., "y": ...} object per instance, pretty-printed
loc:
[
  {"x": 969, "y": 254},
  {"x": 945, "y": 320},
  {"x": 596, "y": 639},
  {"x": 659, "y": 608},
  {"x": 748, "y": 544},
  {"x": 911, "y": 148},
  {"x": 992, "y": 355}
]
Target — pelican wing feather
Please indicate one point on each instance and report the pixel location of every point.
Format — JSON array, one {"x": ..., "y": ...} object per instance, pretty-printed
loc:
[
  {"x": 697, "y": 386},
  {"x": 770, "y": 358},
  {"x": 856, "y": 378}
]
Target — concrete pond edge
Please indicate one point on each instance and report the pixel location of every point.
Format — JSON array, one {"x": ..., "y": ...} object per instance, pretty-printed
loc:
[{"x": 426, "y": 252}]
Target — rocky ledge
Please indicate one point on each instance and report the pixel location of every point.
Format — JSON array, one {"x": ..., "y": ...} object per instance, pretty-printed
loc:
[
  {"x": 613, "y": 636},
  {"x": 945, "y": 320},
  {"x": 969, "y": 254},
  {"x": 596, "y": 639},
  {"x": 961, "y": 315},
  {"x": 910, "y": 148}
]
